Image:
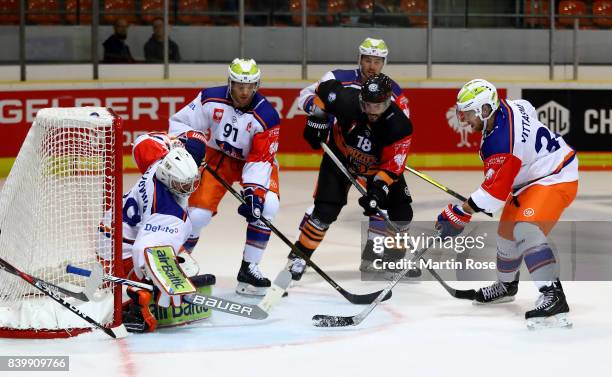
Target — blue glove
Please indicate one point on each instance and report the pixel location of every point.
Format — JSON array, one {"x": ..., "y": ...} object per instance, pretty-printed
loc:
[
  {"x": 452, "y": 220},
  {"x": 195, "y": 144},
  {"x": 254, "y": 197}
]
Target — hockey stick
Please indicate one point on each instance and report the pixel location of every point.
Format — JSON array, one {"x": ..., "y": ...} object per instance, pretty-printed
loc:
[
  {"x": 469, "y": 294},
  {"x": 323, "y": 320},
  {"x": 351, "y": 297},
  {"x": 48, "y": 290},
  {"x": 359, "y": 188},
  {"x": 427, "y": 178},
  {"x": 210, "y": 302}
]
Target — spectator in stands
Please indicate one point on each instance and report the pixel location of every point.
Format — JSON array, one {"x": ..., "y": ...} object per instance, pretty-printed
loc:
[
  {"x": 115, "y": 49},
  {"x": 154, "y": 48}
]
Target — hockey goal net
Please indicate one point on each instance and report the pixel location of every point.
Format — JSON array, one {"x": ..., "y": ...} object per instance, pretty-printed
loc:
[{"x": 66, "y": 178}]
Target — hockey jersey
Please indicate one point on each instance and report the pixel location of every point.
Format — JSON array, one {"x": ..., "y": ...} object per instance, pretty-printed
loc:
[
  {"x": 250, "y": 134},
  {"x": 378, "y": 148},
  {"x": 520, "y": 152},
  {"x": 349, "y": 78},
  {"x": 151, "y": 214}
]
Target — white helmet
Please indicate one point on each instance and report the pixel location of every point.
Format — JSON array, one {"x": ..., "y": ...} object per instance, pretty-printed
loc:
[
  {"x": 179, "y": 172},
  {"x": 373, "y": 47},
  {"x": 475, "y": 94},
  {"x": 244, "y": 70}
]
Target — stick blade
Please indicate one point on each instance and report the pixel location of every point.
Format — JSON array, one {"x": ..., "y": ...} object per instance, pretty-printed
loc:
[
  {"x": 119, "y": 332},
  {"x": 322, "y": 320},
  {"x": 366, "y": 299},
  {"x": 276, "y": 291},
  {"x": 468, "y": 294},
  {"x": 93, "y": 282}
]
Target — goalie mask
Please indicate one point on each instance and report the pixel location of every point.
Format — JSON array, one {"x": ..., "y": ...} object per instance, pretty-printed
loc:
[{"x": 179, "y": 172}]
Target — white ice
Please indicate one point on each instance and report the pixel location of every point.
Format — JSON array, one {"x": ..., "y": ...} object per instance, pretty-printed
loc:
[{"x": 421, "y": 331}]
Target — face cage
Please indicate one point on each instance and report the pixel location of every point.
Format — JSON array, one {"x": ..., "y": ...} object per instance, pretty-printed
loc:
[{"x": 184, "y": 188}]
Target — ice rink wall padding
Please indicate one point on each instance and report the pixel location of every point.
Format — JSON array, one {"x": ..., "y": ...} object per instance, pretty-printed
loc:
[{"x": 581, "y": 114}]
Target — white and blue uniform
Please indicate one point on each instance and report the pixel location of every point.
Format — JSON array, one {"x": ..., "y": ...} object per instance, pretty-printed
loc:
[
  {"x": 350, "y": 78},
  {"x": 152, "y": 216}
]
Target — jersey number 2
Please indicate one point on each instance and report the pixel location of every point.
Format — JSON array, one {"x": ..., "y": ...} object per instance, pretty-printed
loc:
[{"x": 551, "y": 143}]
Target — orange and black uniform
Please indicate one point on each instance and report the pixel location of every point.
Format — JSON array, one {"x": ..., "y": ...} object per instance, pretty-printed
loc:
[{"x": 368, "y": 150}]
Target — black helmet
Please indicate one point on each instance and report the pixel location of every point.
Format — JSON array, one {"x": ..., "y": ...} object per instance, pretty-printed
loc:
[{"x": 376, "y": 89}]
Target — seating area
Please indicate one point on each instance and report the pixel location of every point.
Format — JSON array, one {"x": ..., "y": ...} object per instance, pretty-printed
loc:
[{"x": 592, "y": 14}]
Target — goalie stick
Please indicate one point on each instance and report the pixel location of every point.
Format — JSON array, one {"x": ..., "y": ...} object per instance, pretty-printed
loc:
[
  {"x": 351, "y": 297},
  {"x": 49, "y": 290},
  {"x": 210, "y": 302},
  {"x": 323, "y": 320},
  {"x": 468, "y": 294}
]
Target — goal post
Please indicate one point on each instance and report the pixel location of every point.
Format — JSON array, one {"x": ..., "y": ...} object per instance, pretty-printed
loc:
[{"x": 65, "y": 180}]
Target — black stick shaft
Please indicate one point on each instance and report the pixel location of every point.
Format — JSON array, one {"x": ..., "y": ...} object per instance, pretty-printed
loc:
[
  {"x": 427, "y": 178},
  {"x": 48, "y": 291},
  {"x": 355, "y": 299}
]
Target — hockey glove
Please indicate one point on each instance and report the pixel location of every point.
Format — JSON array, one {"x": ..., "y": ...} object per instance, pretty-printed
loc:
[
  {"x": 376, "y": 197},
  {"x": 316, "y": 131},
  {"x": 195, "y": 144},
  {"x": 254, "y": 203},
  {"x": 452, "y": 220}
]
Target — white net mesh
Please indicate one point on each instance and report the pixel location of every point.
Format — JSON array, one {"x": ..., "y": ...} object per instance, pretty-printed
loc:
[{"x": 59, "y": 189}]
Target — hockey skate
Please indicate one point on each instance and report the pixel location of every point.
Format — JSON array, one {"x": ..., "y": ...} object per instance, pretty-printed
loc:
[
  {"x": 251, "y": 281},
  {"x": 551, "y": 309},
  {"x": 496, "y": 293},
  {"x": 368, "y": 256},
  {"x": 296, "y": 266},
  {"x": 137, "y": 316}
]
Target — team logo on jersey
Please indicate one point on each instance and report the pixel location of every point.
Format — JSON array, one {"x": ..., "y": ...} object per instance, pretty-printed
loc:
[
  {"x": 489, "y": 174},
  {"x": 399, "y": 159},
  {"x": 331, "y": 97},
  {"x": 273, "y": 147},
  {"x": 462, "y": 128},
  {"x": 528, "y": 212},
  {"x": 217, "y": 115},
  {"x": 249, "y": 126}
]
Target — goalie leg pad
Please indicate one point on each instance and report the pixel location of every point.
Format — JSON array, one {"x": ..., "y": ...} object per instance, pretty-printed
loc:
[
  {"x": 163, "y": 268},
  {"x": 186, "y": 312}
]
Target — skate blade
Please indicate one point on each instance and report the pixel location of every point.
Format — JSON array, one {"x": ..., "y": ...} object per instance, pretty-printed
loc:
[
  {"x": 250, "y": 290},
  {"x": 498, "y": 301},
  {"x": 555, "y": 321}
]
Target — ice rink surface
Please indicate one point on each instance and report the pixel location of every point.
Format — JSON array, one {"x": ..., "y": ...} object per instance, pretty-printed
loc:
[{"x": 421, "y": 331}]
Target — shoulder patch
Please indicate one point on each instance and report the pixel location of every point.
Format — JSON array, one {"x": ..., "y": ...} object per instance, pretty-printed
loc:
[
  {"x": 265, "y": 113},
  {"x": 346, "y": 75},
  {"x": 395, "y": 88},
  {"x": 217, "y": 93},
  {"x": 501, "y": 139}
]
